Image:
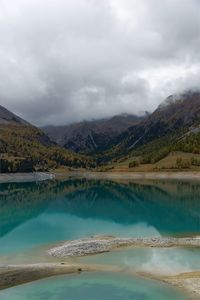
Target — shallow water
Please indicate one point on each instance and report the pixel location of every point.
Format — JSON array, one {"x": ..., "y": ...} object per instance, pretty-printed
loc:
[
  {"x": 35, "y": 214},
  {"x": 159, "y": 261},
  {"x": 93, "y": 286}
]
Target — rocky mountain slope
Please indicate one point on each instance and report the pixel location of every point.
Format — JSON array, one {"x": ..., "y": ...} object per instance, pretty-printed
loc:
[
  {"x": 91, "y": 136},
  {"x": 167, "y": 118},
  {"x": 174, "y": 121}
]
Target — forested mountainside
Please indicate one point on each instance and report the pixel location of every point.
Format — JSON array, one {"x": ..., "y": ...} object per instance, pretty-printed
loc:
[{"x": 26, "y": 148}]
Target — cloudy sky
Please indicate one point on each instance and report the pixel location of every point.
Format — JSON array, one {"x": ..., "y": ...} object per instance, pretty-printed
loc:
[{"x": 67, "y": 60}]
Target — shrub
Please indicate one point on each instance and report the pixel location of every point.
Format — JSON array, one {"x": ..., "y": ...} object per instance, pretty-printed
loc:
[
  {"x": 134, "y": 163},
  {"x": 195, "y": 161},
  {"x": 182, "y": 163}
]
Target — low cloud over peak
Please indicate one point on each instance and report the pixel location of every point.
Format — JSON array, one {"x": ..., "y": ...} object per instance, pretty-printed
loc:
[{"x": 64, "y": 61}]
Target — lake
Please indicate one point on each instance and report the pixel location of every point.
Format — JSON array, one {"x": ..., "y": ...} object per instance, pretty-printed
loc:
[{"x": 33, "y": 215}]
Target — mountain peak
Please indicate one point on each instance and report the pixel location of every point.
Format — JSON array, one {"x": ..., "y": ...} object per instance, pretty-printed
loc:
[
  {"x": 172, "y": 99},
  {"x": 178, "y": 98},
  {"x": 90, "y": 136}
]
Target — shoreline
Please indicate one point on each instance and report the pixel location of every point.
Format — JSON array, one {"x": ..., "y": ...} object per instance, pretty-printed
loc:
[
  {"x": 25, "y": 177},
  {"x": 13, "y": 275},
  {"x": 17, "y": 274},
  {"x": 188, "y": 282},
  {"x": 184, "y": 175},
  {"x": 61, "y": 176}
]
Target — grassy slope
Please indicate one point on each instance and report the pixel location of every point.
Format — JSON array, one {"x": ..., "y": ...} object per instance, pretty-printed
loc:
[
  {"x": 150, "y": 155},
  {"x": 168, "y": 163}
]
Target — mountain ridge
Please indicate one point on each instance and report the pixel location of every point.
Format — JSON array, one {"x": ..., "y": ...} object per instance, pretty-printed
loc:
[
  {"x": 91, "y": 136},
  {"x": 167, "y": 126},
  {"x": 7, "y": 117},
  {"x": 173, "y": 126}
]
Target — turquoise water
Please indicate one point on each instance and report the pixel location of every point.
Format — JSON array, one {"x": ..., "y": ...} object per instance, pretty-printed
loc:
[
  {"x": 161, "y": 261},
  {"x": 34, "y": 214},
  {"x": 92, "y": 287}
]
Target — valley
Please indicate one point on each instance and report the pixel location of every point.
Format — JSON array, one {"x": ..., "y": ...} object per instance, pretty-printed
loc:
[{"x": 166, "y": 140}]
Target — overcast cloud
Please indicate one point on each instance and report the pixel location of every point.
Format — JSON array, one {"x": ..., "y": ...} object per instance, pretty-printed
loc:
[{"x": 67, "y": 60}]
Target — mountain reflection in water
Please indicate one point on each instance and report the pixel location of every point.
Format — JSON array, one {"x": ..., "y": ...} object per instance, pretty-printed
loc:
[{"x": 62, "y": 210}]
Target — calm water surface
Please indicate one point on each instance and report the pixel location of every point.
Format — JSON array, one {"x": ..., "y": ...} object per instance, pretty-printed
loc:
[
  {"x": 92, "y": 287},
  {"x": 38, "y": 213},
  {"x": 33, "y": 214}
]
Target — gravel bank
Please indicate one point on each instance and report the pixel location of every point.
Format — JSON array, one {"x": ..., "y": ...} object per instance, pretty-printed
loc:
[{"x": 95, "y": 245}]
